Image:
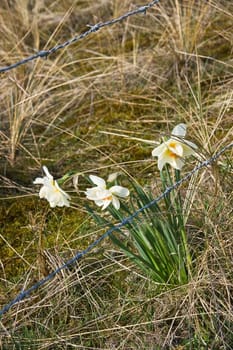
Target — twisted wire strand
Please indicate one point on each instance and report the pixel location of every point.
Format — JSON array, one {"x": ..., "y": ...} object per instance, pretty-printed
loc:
[
  {"x": 93, "y": 28},
  {"x": 25, "y": 293}
]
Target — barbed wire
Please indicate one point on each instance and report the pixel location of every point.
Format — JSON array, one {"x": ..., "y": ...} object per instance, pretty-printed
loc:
[
  {"x": 93, "y": 28},
  {"x": 25, "y": 293}
]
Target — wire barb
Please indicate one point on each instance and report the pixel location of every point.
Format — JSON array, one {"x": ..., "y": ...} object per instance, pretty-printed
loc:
[
  {"x": 43, "y": 54},
  {"x": 93, "y": 28},
  {"x": 23, "y": 294}
]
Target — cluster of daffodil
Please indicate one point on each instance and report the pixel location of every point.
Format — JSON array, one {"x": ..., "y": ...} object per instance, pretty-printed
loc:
[
  {"x": 171, "y": 151},
  {"x": 158, "y": 241}
]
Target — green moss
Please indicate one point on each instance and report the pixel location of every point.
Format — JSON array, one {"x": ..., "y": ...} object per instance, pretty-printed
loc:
[{"x": 29, "y": 221}]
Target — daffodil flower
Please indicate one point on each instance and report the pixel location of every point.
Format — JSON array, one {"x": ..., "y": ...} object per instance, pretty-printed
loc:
[
  {"x": 51, "y": 190},
  {"x": 103, "y": 196},
  {"x": 174, "y": 150}
]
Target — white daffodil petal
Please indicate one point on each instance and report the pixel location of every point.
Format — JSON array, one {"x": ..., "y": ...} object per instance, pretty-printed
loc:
[
  {"x": 167, "y": 158},
  {"x": 98, "y": 181},
  {"x": 106, "y": 203},
  {"x": 93, "y": 193},
  {"x": 115, "y": 202},
  {"x": 57, "y": 199},
  {"x": 105, "y": 195},
  {"x": 99, "y": 202},
  {"x": 47, "y": 173},
  {"x": 179, "y": 130},
  {"x": 173, "y": 162},
  {"x": 43, "y": 193},
  {"x": 64, "y": 202},
  {"x": 52, "y": 204},
  {"x": 178, "y": 163},
  {"x": 97, "y": 193},
  {"x": 174, "y": 147},
  {"x": 161, "y": 162},
  {"x": 119, "y": 191},
  {"x": 61, "y": 191},
  {"x": 53, "y": 198},
  {"x": 39, "y": 181},
  {"x": 158, "y": 150},
  {"x": 179, "y": 149}
]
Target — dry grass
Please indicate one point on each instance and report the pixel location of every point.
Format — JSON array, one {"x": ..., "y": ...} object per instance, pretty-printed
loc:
[{"x": 139, "y": 78}]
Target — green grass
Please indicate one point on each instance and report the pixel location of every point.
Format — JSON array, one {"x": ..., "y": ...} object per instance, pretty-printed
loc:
[{"x": 139, "y": 78}]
